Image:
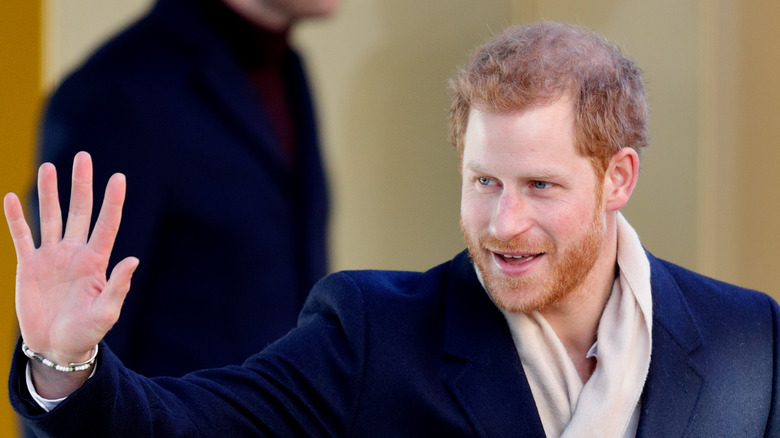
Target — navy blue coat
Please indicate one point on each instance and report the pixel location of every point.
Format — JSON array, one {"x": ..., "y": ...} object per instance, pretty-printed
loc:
[
  {"x": 231, "y": 237},
  {"x": 402, "y": 354}
]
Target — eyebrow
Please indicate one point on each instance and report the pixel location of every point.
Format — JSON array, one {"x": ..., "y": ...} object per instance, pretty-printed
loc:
[{"x": 541, "y": 173}]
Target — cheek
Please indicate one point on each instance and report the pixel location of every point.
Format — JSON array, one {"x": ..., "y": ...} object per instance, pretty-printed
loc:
[
  {"x": 475, "y": 211},
  {"x": 561, "y": 220},
  {"x": 569, "y": 223}
]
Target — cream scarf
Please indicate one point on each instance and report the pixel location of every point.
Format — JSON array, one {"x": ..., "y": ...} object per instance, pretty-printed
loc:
[{"x": 608, "y": 404}]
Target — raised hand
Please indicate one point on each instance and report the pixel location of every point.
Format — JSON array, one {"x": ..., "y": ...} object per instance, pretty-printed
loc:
[{"x": 64, "y": 302}]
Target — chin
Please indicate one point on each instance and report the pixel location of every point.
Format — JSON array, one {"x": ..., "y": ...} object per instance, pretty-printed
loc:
[{"x": 521, "y": 300}]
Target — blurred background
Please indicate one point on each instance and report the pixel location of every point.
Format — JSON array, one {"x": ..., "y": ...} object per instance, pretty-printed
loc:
[{"x": 709, "y": 191}]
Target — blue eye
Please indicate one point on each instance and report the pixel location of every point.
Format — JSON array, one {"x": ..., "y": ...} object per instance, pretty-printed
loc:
[
  {"x": 541, "y": 185},
  {"x": 484, "y": 181}
]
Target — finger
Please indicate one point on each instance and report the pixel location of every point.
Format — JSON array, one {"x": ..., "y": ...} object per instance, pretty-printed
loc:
[
  {"x": 80, "y": 210},
  {"x": 107, "y": 224},
  {"x": 109, "y": 302},
  {"x": 49, "y": 205},
  {"x": 20, "y": 231}
]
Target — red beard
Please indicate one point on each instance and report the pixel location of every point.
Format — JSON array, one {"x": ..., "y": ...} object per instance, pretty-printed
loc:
[{"x": 568, "y": 267}]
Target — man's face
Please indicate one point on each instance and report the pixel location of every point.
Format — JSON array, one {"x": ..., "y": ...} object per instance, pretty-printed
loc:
[{"x": 531, "y": 209}]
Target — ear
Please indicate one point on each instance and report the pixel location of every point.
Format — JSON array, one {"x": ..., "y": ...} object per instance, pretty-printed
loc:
[{"x": 621, "y": 178}]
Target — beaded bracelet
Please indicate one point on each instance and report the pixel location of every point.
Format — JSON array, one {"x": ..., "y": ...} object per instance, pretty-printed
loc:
[{"x": 71, "y": 367}]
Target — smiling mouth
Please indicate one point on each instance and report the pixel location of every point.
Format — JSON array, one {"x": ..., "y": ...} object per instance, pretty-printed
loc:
[{"x": 517, "y": 260}]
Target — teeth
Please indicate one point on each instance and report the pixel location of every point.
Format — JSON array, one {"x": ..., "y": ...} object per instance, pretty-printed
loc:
[{"x": 526, "y": 257}]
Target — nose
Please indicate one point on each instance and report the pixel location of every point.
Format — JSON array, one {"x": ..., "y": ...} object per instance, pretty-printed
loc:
[{"x": 511, "y": 216}]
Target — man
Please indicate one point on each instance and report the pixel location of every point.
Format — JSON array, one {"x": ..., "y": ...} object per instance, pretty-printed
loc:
[
  {"x": 561, "y": 326},
  {"x": 203, "y": 105}
]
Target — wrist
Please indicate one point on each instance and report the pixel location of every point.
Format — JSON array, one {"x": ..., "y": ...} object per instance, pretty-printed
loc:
[
  {"x": 69, "y": 367},
  {"x": 52, "y": 384}
]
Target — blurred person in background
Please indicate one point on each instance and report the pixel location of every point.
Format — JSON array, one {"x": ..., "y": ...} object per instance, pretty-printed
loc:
[{"x": 206, "y": 108}]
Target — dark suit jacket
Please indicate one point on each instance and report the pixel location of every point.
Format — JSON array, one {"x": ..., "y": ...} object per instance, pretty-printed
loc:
[
  {"x": 231, "y": 238},
  {"x": 401, "y": 354}
]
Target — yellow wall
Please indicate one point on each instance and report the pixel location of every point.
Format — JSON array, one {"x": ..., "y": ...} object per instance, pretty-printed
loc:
[
  {"x": 709, "y": 192},
  {"x": 662, "y": 36},
  {"x": 756, "y": 198},
  {"x": 380, "y": 70},
  {"x": 19, "y": 103},
  {"x": 74, "y": 28}
]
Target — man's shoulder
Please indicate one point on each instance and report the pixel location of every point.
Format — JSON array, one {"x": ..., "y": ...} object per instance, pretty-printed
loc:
[
  {"x": 152, "y": 47},
  {"x": 396, "y": 283},
  {"x": 712, "y": 341},
  {"x": 693, "y": 282},
  {"x": 705, "y": 297},
  {"x": 415, "y": 292}
]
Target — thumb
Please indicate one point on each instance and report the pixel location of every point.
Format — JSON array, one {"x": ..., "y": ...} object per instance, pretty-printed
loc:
[{"x": 110, "y": 301}]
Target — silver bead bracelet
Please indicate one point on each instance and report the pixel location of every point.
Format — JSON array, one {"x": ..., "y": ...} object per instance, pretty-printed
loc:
[{"x": 69, "y": 368}]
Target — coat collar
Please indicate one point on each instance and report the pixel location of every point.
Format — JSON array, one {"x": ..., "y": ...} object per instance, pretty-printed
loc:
[
  {"x": 674, "y": 380},
  {"x": 219, "y": 76},
  {"x": 482, "y": 368},
  {"x": 485, "y": 375}
]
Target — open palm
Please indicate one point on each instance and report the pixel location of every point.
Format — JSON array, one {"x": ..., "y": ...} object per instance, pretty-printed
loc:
[{"x": 64, "y": 302}]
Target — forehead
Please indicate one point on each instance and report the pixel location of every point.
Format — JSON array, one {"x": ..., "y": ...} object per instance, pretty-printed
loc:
[{"x": 542, "y": 135}]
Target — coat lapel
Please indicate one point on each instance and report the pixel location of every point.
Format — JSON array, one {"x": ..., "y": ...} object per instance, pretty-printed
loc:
[
  {"x": 230, "y": 91},
  {"x": 482, "y": 368},
  {"x": 674, "y": 380},
  {"x": 485, "y": 375},
  {"x": 225, "y": 87}
]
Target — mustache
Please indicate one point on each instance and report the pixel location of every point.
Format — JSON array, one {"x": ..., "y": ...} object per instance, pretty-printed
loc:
[{"x": 519, "y": 244}]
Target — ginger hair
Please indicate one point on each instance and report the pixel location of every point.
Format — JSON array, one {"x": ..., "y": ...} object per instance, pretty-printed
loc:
[{"x": 536, "y": 64}]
